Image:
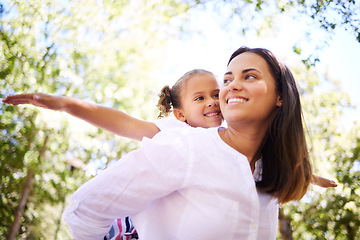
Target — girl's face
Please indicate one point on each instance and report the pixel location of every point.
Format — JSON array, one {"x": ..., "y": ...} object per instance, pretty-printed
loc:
[
  {"x": 249, "y": 92},
  {"x": 200, "y": 102}
]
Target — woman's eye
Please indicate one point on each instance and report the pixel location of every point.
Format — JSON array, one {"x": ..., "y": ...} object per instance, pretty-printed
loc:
[
  {"x": 199, "y": 98},
  {"x": 227, "y": 81},
  {"x": 250, "y": 77}
]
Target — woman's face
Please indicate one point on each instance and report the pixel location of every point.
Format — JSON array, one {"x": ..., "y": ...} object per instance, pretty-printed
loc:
[{"x": 248, "y": 94}]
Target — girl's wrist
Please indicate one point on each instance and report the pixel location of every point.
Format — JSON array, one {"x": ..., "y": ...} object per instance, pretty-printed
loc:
[{"x": 68, "y": 104}]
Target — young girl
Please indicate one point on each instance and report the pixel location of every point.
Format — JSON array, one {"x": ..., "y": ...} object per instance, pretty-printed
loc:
[{"x": 193, "y": 100}]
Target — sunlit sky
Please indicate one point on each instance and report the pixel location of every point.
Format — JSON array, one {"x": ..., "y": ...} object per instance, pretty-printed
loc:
[{"x": 212, "y": 46}]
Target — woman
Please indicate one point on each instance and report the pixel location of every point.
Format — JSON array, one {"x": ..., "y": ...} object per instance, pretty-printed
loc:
[
  {"x": 199, "y": 183},
  {"x": 273, "y": 108}
]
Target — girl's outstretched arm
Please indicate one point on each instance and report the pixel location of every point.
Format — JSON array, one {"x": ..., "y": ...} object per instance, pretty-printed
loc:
[
  {"x": 323, "y": 182},
  {"x": 103, "y": 117}
]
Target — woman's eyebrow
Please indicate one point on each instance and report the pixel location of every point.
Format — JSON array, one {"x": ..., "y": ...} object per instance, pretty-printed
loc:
[
  {"x": 250, "y": 69},
  {"x": 243, "y": 71}
]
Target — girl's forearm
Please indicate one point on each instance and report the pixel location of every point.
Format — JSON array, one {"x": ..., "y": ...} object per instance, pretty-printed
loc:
[
  {"x": 103, "y": 117},
  {"x": 323, "y": 182},
  {"x": 110, "y": 119}
]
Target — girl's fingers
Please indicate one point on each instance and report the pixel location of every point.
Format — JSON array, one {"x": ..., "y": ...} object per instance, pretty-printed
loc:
[
  {"x": 329, "y": 183},
  {"x": 19, "y": 99},
  {"x": 16, "y": 101},
  {"x": 333, "y": 183}
]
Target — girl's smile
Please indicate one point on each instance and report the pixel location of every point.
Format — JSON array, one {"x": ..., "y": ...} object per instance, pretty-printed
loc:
[{"x": 200, "y": 102}]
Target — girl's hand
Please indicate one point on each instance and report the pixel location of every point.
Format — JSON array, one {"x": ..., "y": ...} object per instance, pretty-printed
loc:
[
  {"x": 323, "y": 182},
  {"x": 37, "y": 99}
]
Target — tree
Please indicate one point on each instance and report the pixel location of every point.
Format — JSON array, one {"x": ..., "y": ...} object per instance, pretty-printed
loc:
[
  {"x": 333, "y": 214},
  {"x": 257, "y": 17}
]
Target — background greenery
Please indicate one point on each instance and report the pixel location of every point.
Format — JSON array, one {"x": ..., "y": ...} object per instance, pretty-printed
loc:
[{"x": 107, "y": 52}]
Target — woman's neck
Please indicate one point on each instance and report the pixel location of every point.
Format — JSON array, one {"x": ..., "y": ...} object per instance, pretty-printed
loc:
[{"x": 246, "y": 140}]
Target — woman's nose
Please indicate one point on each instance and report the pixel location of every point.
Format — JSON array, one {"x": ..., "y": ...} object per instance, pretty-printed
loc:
[{"x": 235, "y": 85}]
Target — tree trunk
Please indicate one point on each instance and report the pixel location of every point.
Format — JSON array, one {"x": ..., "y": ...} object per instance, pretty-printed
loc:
[
  {"x": 284, "y": 226},
  {"x": 351, "y": 233},
  {"x": 30, "y": 177},
  {"x": 59, "y": 220},
  {"x": 20, "y": 208}
]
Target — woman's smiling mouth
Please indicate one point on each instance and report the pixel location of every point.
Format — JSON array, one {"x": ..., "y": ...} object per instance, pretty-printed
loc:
[{"x": 234, "y": 100}]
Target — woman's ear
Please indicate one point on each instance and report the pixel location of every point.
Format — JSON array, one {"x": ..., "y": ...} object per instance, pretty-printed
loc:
[
  {"x": 279, "y": 102},
  {"x": 179, "y": 115}
]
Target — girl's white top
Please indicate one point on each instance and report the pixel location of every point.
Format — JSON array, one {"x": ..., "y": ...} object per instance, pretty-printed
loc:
[{"x": 185, "y": 183}]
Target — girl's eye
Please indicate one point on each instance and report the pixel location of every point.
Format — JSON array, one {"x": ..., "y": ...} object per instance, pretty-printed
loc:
[
  {"x": 199, "y": 98},
  {"x": 216, "y": 95}
]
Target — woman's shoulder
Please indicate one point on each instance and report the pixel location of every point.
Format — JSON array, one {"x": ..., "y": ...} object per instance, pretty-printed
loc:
[
  {"x": 186, "y": 134},
  {"x": 169, "y": 123},
  {"x": 181, "y": 143}
]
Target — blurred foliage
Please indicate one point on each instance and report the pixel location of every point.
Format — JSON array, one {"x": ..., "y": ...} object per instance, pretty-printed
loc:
[{"x": 334, "y": 213}]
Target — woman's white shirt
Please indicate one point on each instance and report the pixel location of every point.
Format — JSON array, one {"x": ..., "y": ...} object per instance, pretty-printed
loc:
[
  {"x": 268, "y": 205},
  {"x": 186, "y": 183},
  {"x": 169, "y": 123}
]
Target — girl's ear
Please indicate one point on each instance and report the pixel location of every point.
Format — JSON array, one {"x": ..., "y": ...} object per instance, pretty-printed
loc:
[{"x": 178, "y": 113}]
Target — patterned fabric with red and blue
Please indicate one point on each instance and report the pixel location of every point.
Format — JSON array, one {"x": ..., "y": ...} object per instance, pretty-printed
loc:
[{"x": 122, "y": 229}]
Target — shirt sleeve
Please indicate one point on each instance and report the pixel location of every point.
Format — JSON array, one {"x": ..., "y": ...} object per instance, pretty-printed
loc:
[{"x": 158, "y": 168}]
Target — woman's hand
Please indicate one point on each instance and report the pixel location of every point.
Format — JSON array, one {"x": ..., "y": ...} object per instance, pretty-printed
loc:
[{"x": 37, "y": 99}]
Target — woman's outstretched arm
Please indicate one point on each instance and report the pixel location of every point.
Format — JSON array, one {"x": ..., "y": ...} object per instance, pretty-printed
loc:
[{"x": 103, "y": 117}]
